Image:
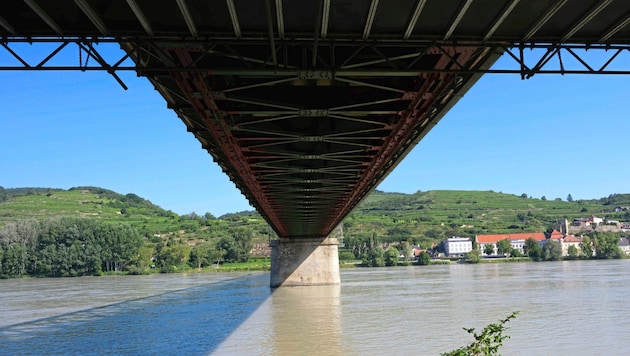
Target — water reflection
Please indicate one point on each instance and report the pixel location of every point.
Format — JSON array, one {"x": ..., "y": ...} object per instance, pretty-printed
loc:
[
  {"x": 307, "y": 318},
  {"x": 293, "y": 321}
]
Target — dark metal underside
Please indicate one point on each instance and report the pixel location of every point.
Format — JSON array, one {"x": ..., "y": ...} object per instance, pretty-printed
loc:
[{"x": 307, "y": 105}]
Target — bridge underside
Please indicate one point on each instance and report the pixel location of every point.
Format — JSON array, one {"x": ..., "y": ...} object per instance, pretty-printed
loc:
[
  {"x": 308, "y": 105},
  {"x": 305, "y": 146}
]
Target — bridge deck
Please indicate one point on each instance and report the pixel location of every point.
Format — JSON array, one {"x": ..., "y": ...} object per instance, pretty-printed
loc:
[{"x": 308, "y": 105}]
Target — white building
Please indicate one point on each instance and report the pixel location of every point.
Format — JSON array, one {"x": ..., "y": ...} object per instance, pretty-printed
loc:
[
  {"x": 624, "y": 245},
  {"x": 457, "y": 246}
]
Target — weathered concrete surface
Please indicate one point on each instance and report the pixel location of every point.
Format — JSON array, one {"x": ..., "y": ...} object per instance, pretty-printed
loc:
[{"x": 304, "y": 262}]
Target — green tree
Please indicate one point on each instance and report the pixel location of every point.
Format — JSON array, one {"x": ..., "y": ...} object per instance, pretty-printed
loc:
[
  {"x": 474, "y": 256},
  {"x": 533, "y": 249},
  {"x": 201, "y": 255},
  {"x": 2, "y": 273},
  {"x": 424, "y": 258},
  {"x": 346, "y": 256},
  {"x": 391, "y": 256},
  {"x": 120, "y": 245},
  {"x": 573, "y": 252},
  {"x": 227, "y": 244},
  {"x": 407, "y": 251},
  {"x": 243, "y": 236},
  {"x": 175, "y": 256},
  {"x": 15, "y": 260},
  {"x": 375, "y": 257},
  {"x": 142, "y": 262},
  {"x": 504, "y": 247},
  {"x": 237, "y": 244},
  {"x": 3, "y": 194},
  {"x": 488, "y": 249},
  {"x": 607, "y": 245},
  {"x": 587, "y": 247},
  {"x": 569, "y": 198},
  {"x": 552, "y": 251}
]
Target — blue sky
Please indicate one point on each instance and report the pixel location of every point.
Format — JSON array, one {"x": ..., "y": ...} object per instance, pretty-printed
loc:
[{"x": 550, "y": 135}]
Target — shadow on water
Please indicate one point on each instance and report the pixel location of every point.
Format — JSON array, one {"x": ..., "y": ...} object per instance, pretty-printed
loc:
[
  {"x": 301, "y": 320},
  {"x": 192, "y": 321}
]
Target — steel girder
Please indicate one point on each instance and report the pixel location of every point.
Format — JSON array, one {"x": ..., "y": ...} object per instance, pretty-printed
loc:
[
  {"x": 305, "y": 146},
  {"x": 308, "y": 105},
  {"x": 307, "y": 135},
  {"x": 527, "y": 58}
]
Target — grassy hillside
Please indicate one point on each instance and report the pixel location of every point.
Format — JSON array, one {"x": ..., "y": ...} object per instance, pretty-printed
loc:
[
  {"x": 109, "y": 206},
  {"x": 423, "y": 217},
  {"x": 428, "y": 216}
]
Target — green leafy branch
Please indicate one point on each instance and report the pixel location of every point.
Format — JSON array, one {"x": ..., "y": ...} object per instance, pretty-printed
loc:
[{"x": 487, "y": 342}]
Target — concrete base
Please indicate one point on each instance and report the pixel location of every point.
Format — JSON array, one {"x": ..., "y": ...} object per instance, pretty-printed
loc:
[{"x": 304, "y": 262}]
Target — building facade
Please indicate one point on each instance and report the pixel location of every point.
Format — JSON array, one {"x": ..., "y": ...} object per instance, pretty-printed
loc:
[
  {"x": 456, "y": 246},
  {"x": 517, "y": 241}
]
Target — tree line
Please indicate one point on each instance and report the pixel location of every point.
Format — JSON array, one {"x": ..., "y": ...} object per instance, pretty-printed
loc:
[{"x": 68, "y": 247}]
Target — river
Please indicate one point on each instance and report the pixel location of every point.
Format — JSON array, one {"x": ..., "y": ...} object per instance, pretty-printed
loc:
[{"x": 571, "y": 307}]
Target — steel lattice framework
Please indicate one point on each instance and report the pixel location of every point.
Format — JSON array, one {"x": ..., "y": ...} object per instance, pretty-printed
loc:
[{"x": 308, "y": 105}]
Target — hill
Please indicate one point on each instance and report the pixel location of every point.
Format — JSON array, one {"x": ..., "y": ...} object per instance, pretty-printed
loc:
[
  {"x": 150, "y": 220},
  {"x": 434, "y": 215},
  {"x": 422, "y": 218}
]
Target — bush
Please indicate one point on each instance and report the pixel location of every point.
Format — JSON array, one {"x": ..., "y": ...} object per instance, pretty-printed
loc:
[
  {"x": 487, "y": 342},
  {"x": 346, "y": 256},
  {"x": 424, "y": 258},
  {"x": 474, "y": 256}
]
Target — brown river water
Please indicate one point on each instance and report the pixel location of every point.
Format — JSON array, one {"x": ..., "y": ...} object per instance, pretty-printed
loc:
[{"x": 572, "y": 307}]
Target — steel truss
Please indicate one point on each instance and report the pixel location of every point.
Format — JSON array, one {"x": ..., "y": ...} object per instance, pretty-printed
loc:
[
  {"x": 307, "y": 130},
  {"x": 320, "y": 135},
  {"x": 528, "y": 59},
  {"x": 304, "y": 108}
]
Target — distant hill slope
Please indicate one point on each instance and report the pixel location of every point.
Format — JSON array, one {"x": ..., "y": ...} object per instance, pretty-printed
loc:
[
  {"x": 422, "y": 217},
  {"x": 89, "y": 202},
  {"x": 438, "y": 214},
  {"x": 108, "y": 206}
]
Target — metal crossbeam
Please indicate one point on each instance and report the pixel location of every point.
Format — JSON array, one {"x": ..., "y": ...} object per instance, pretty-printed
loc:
[
  {"x": 343, "y": 71},
  {"x": 141, "y": 17},
  {"x": 93, "y": 16}
]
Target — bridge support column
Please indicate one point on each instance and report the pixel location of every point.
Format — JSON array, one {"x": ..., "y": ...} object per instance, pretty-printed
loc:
[{"x": 304, "y": 262}]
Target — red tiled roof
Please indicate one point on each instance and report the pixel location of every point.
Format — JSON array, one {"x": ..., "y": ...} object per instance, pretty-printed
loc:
[
  {"x": 538, "y": 236},
  {"x": 556, "y": 235},
  {"x": 571, "y": 238}
]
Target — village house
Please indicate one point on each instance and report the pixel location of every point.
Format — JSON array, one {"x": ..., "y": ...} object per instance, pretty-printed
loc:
[
  {"x": 580, "y": 222},
  {"x": 457, "y": 246},
  {"x": 594, "y": 220},
  {"x": 591, "y": 220},
  {"x": 517, "y": 241},
  {"x": 568, "y": 241},
  {"x": 460, "y": 245},
  {"x": 624, "y": 245},
  {"x": 417, "y": 250}
]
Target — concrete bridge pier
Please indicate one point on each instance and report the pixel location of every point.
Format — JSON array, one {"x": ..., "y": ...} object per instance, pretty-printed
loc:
[{"x": 304, "y": 262}]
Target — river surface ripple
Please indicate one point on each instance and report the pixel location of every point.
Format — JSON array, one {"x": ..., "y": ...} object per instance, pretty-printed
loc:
[{"x": 572, "y": 307}]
